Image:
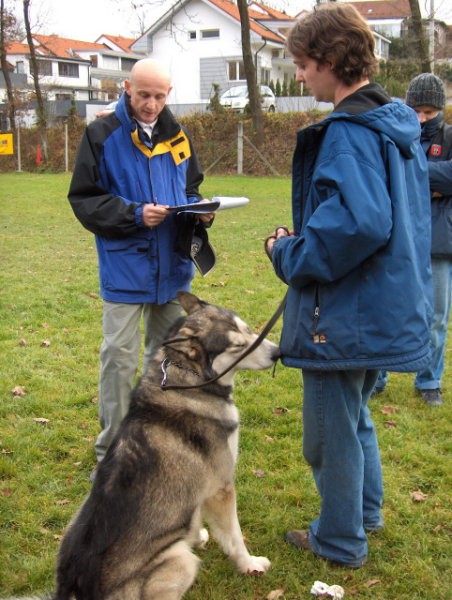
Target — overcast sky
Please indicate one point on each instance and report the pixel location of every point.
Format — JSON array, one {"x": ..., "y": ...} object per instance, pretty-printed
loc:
[{"x": 88, "y": 19}]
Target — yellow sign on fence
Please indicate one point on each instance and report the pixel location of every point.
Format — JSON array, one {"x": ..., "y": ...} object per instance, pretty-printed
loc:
[{"x": 6, "y": 143}]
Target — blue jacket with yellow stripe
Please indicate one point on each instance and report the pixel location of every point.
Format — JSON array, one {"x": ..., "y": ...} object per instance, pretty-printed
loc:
[{"x": 118, "y": 169}]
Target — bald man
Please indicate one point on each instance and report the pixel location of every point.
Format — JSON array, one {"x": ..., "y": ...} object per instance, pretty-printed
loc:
[{"x": 132, "y": 165}]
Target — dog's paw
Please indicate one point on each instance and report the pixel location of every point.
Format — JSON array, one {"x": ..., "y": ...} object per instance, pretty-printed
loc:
[
  {"x": 255, "y": 565},
  {"x": 203, "y": 538}
]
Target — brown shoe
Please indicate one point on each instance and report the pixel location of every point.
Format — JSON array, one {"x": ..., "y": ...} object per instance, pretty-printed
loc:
[{"x": 298, "y": 538}]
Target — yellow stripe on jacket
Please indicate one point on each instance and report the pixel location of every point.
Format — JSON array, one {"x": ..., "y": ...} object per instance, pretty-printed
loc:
[{"x": 178, "y": 146}]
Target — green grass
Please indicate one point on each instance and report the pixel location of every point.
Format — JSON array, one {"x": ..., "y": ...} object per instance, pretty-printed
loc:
[{"x": 50, "y": 333}]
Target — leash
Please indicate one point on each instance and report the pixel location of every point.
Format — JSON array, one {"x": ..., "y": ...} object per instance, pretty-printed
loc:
[{"x": 254, "y": 345}]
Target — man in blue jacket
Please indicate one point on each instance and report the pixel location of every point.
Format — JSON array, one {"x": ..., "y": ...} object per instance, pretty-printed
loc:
[
  {"x": 426, "y": 95},
  {"x": 132, "y": 165},
  {"x": 357, "y": 269}
]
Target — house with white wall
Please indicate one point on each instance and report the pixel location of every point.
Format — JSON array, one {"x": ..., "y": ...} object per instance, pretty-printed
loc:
[
  {"x": 199, "y": 42},
  {"x": 75, "y": 69}
]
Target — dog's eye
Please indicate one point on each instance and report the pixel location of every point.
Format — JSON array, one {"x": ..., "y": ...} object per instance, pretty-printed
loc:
[{"x": 239, "y": 346}]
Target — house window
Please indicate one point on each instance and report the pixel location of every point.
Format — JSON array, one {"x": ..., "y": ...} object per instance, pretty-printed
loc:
[
  {"x": 127, "y": 64},
  {"x": 20, "y": 67},
  {"x": 265, "y": 76},
  {"x": 192, "y": 35},
  {"x": 44, "y": 67},
  {"x": 111, "y": 62},
  {"x": 210, "y": 33},
  {"x": 236, "y": 70},
  {"x": 63, "y": 97},
  {"x": 67, "y": 69},
  {"x": 93, "y": 58}
]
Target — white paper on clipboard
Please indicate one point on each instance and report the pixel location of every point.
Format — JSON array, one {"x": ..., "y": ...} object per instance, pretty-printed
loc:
[
  {"x": 230, "y": 201},
  {"x": 217, "y": 203},
  {"x": 199, "y": 208}
]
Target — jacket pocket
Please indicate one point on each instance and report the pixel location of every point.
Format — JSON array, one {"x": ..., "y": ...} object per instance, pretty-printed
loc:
[{"x": 127, "y": 265}]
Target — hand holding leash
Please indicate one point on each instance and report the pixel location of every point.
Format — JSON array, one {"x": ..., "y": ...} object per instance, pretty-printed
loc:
[{"x": 280, "y": 231}]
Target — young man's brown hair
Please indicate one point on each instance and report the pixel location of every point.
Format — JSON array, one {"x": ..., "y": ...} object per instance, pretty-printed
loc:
[{"x": 336, "y": 34}]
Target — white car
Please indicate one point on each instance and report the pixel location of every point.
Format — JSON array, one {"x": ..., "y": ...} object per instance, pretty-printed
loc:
[{"x": 237, "y": 99}]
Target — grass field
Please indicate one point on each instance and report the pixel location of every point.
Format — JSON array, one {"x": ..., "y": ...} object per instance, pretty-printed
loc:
[{"x": 50, "y": 334}]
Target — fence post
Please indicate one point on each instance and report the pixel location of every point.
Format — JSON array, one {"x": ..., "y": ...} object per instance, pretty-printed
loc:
[
  {"x": 66, "y": 149},
  {"x": 240, "y": 148},
  {"x": 19, "y": 156}
]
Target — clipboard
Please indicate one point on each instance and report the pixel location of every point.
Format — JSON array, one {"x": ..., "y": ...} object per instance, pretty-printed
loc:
[
  {"x": 199, "y": 208},
  {"x": 217, "y": 203}
]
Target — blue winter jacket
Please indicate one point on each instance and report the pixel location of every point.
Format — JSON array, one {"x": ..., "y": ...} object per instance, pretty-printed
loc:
[
  {"x": 358, "y": 267},
  {"x": 118, "y": 169},
  {"x": 436, "y": 140}
]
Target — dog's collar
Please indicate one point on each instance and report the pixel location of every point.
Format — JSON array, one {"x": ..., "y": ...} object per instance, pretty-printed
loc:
[{"x": 167, "y": 362}]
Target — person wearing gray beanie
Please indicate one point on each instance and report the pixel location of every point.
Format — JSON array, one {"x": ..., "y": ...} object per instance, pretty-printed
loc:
[
  {"x": 426, "y": 90},
  {"x": 427, "y": 98}
]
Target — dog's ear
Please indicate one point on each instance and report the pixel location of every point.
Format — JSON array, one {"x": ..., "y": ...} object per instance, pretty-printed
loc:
[
  {"x": 183, "y": 343},
  {"x": 190, "y": 302}
]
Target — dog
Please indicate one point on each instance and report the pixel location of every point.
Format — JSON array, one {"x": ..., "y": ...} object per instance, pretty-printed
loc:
[{"x": 170, "y": 467}]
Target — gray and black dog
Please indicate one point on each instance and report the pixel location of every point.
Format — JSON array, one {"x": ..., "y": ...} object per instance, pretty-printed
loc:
[{"x": 170, "y": 467}]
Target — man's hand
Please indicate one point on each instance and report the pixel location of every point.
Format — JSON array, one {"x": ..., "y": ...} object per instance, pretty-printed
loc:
[
  {"x": 280, "y": 232},
  {"x": 153, "y": 215},
  {"x": 206, "y": 217}
]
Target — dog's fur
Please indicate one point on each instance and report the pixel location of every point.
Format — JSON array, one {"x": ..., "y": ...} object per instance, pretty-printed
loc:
[{"x": 170, "y": 466}]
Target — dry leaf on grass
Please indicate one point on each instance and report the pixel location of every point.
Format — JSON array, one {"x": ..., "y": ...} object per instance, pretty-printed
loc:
[
  {"x": 41, "y": 420},
  {"x": 18, "y": 391},
  {"x": 418, "y": 496},
  {"x": 45, "y": 343},
  {"x": 390, "y": 424},
  {"x": 275, "y": 595},
  {"x": 372, "y": 582},
  {"x": 388, "y": 410},
  {"x": 259, "y": 473},
  {"x": 62, "y": 502},
  {"x": 22, "y": 342},
  {"x": 280, "y": 410}
]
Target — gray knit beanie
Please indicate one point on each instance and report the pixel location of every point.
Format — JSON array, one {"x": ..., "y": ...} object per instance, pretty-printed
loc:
[{"x": 426, "y": 89}]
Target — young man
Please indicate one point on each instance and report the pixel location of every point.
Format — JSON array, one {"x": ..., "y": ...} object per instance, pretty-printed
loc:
[
  {"x": 426, "y": 95},
  {"x": 131, "y": 166},
  {"x": 357, "y": 270}
]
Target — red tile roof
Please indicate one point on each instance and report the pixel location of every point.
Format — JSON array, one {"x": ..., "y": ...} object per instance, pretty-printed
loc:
[
  {"x": 15, "y": 47},
  {"x": 232, "y": 10},
  {"x": 53, "y": 45},
  {"x": 383, "y": 9},
  {"x": 122, "y": 42}
]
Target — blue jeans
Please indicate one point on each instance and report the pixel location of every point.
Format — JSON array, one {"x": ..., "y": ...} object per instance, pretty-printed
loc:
[
  {"x": 340, "y": 445},
  {"x": 430, "y": 377}
]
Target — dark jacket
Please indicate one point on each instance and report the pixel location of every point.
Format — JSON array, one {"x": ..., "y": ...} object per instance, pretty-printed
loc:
[
  {"x": 437, "y": 144},
  {"x": 358, "y": 267},
  {"x": 118, "y": 169}
]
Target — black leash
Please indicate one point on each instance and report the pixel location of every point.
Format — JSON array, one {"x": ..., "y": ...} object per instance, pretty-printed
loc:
[{"x": 254, "y": 345}]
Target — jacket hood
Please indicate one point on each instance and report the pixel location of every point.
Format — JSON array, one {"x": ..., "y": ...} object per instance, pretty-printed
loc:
[{"x": 393, "y": 119}]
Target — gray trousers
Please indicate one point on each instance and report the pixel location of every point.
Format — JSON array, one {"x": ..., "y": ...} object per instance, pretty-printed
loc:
[{"x": 119, "y": 357}]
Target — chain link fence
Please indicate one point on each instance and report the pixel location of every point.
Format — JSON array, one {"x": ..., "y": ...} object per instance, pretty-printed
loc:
[{"x": 216, "y": 138}]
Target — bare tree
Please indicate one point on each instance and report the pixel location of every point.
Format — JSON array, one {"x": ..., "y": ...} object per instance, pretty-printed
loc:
[
  {"x": 421, "y": 39},
  {"x": 41, "y": 111},
  {"x": 250, "y": 72},
  {"x": 9, "y": 30}
]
